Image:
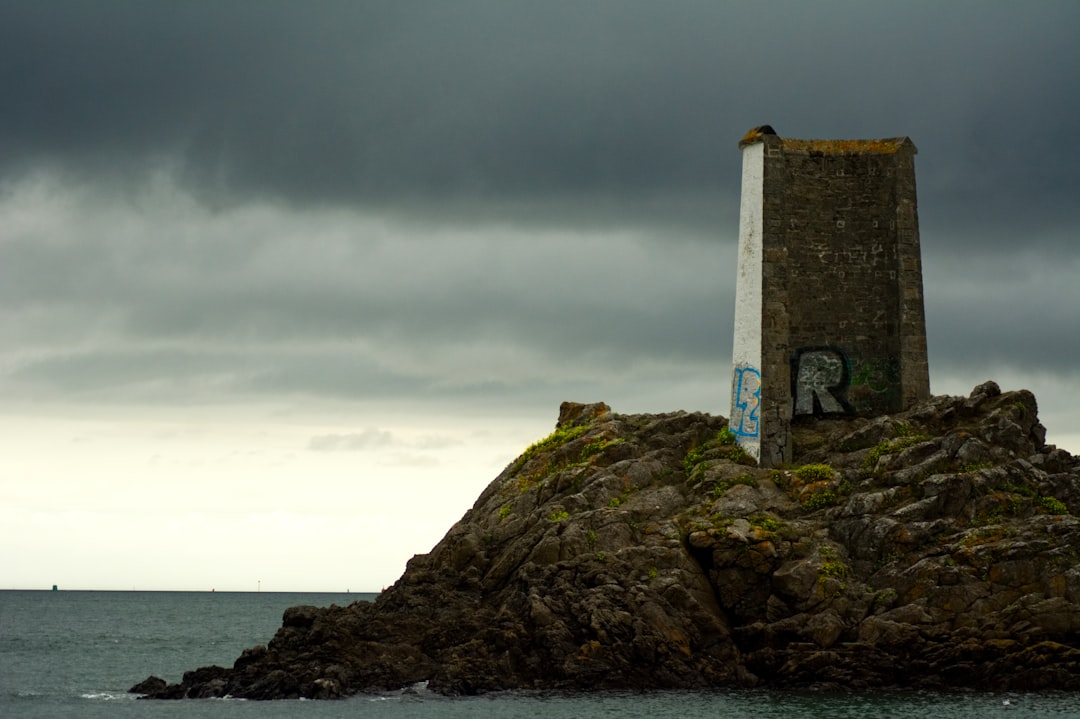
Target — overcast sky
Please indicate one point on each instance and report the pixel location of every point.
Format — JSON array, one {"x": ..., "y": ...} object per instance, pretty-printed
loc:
[{"x": 284, "y": 285}]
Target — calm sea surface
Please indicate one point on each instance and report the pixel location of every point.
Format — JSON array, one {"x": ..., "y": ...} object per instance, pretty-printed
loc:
[{"x": 74, "y": 654}]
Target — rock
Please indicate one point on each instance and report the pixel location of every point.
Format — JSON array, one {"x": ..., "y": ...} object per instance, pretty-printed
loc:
[
  {"x": 572, "y": 414},
  {"x": 797, "y": 579},
  {"x": 150, "y": 685},
  {"x": 825, "y": 628},
  {"x": 302, "y": 616},
  {"x": 647, "y": 552}
]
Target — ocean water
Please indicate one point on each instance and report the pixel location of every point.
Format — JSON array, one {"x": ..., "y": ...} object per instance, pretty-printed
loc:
[{"x": 74, "y": 654}]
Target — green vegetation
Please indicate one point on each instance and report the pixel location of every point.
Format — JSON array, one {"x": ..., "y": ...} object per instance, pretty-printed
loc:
[
  {"x": 724, "y": 445},
  {"x": 628, "y": 489},
  {"x": 693, "y": 461},
  {"x": 558, "y": 515},
  {"x": 505, "y": 511},
  {"x": 820, "y": 498},
  {"x": 832, "y": 568},
  {"x": 524, "y": 484},
  {"x": 986, "y": 517},
  {"x": 730, "y": 449},
  {"x": 1015, "y": 501},
  {"x": 890, "y": 446},
  {"x": 700, "y": 523},
  {"x": 885, "y": 596},
  {"x": 811, "y": 473},
  {"x": 534, "y": 477},
  {"x": 724, "y": 485},
  {"x": 1053, "y": 505},
  {"x": 598, "y": 446},
  {"x": 824, "y": 495},
  {"x": 559, "y": 437},
  {"x": 1018, "y": 489},
  {"x": 726, "y": 437},
  {"x": 767, "y": 522},
  {"x": 903, "y": 428}
]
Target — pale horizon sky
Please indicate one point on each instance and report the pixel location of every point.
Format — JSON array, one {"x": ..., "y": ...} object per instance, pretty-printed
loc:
[{"x": 285, "y": 285}]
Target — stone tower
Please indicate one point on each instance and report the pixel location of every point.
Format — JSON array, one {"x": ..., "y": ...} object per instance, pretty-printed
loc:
[{"x": 829, "y": 304}]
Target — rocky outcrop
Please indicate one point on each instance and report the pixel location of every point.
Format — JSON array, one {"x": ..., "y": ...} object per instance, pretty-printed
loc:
[{"x": 934, "y": 548}]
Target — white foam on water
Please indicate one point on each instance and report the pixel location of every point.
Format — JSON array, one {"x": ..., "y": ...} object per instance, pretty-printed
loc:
[{"x": 105, "y": 696}]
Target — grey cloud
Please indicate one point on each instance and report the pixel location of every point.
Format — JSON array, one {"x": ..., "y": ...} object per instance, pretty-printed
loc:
[
  {"x": 353, "y": 442},
  {"x": 1018, "y": 312},
  {"x": 261, "y": 300},
  {"x": 376, "y": 439}
]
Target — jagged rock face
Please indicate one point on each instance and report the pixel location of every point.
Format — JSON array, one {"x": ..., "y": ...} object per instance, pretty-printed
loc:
[{"x": 933, "y": 548}]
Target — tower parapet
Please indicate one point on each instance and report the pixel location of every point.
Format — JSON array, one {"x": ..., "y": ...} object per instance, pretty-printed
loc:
[{"x": 829, "y": 316}]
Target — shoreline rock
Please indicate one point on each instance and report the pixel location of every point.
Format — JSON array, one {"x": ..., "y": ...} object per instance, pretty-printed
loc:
[{"x": 935, "y": 548}]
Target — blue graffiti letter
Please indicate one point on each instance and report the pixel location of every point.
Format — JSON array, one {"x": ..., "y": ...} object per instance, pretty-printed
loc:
[{"x": 744, "y": 410}]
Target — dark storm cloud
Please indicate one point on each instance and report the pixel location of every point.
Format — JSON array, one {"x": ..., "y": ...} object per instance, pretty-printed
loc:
[
  {"x": 422, "y": 104},
  {"x": 359, "y": 102},
  {"x": 435, "y": 199}
]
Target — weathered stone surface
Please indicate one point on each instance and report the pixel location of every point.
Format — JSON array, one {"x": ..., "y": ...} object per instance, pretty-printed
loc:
[{"x": 642, "y": 551}]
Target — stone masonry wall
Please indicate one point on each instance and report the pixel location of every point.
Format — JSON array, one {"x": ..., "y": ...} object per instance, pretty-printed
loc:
[{"x": 842, "y": 325}]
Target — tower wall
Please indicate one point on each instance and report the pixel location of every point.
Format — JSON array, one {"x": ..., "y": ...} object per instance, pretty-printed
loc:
[{"x": 829, "y": 244}]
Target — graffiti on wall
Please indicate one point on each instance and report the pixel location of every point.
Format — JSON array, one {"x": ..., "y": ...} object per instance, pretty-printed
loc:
[
  {"x": 875, "y": 382},
  {"x": 745, "y": 401},
  {"x": 820, "y": 378}
]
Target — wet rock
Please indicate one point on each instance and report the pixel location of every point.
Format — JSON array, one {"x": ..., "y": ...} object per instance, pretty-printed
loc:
[{"x": 150, "y": 685}]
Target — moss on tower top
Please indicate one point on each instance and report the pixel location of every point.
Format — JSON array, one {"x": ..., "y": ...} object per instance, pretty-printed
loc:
[{"x": 886, "y": 146}]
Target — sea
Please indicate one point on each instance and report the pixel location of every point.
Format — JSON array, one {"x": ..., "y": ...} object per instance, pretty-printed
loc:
[{"x": 75, "y": 654}]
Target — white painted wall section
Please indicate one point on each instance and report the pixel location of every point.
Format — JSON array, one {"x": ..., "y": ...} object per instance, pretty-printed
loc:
[{"x": 746, "y": 348}]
